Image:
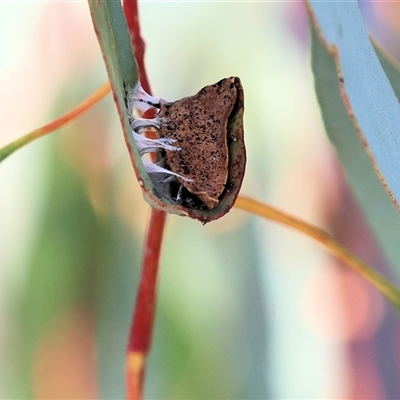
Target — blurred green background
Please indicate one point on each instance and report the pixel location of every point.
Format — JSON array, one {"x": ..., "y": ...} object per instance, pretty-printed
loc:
[{"x": 247, "y": 309}]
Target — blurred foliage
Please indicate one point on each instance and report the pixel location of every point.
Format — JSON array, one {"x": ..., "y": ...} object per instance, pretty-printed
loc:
[
  {"x": 83, "y": 257},
  {"x": 238, "y": 312}
]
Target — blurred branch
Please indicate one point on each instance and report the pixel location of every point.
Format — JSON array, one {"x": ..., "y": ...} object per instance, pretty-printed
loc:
[
  {"x": 391, "y": 292},
  {"x": 56, "y": 124}
]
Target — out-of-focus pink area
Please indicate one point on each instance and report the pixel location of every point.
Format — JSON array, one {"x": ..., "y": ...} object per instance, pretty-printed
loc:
[
  {"x": 59, "y": 49},
  {"x": 65, "y": 359},
  {"x": 387, "y": 14}
]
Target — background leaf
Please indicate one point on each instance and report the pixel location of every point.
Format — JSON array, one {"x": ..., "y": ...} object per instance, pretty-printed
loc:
[{"x": 376, "y": 113}]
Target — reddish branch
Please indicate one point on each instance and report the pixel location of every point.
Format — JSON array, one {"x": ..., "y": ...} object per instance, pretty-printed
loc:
[
  {"x": 132, "y": 18},
  {"x": 143, "y": 319}
]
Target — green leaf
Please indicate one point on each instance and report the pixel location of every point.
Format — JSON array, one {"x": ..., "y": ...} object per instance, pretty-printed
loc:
[
  {"x": 112, "y": 33},
  {"x": 357, "y": 102}
]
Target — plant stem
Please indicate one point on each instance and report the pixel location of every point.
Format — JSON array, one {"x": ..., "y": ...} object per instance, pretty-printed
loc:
[
  {"x": 57, "y": 123},
  {"x": 132, "y": 19},
  {"x": 391, "y": 292},
  {"x": 140, "y": 337},
  {"x": 143, "y": 319}
]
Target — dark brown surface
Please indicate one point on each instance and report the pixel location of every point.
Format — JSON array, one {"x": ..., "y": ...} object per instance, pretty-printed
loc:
[{"x": 199, "y": 125}]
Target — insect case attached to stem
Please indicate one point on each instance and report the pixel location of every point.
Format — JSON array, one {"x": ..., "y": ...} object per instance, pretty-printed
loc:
[{"x": 200, "y": 146}]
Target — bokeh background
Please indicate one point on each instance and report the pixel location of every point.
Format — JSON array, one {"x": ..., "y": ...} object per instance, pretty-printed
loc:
[{"x": 247, "y": 309}]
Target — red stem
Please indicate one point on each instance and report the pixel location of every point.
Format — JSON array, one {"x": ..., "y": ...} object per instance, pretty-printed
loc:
[
  {"x": 132, "y": 19},
  {"x": 143, "y": 319}
]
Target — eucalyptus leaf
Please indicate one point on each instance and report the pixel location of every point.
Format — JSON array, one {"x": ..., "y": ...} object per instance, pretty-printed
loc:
[
  {"x": 112, "y": 33},
  {"x": 357, "y": 102}
]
